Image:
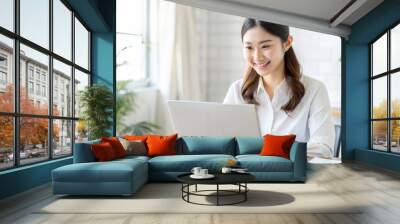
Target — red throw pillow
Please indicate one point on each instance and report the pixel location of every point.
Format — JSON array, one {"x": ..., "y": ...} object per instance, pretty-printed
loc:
[
  {"x": 103, "y": 152},
  {"x": 275, "y": 145},
  {"x": 161, "y": 145},
  {"x": 116, "y": 145}
]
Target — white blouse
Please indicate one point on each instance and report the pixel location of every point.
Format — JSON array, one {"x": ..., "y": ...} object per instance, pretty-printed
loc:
[{"x": 310, "y": 121}]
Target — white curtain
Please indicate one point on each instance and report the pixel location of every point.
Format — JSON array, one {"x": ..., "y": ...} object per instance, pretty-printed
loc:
[{"x": 173, "y": 57}]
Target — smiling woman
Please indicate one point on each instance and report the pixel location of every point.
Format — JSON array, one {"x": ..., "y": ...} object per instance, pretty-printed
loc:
[{"x": 287, "y": 101}]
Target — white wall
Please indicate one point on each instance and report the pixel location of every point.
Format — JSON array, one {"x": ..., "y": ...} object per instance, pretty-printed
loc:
[{"x": 220, "y": 49}]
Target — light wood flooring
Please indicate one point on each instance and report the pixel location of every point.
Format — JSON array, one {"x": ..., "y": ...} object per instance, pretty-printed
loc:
[{"x": 379, "y": 189}]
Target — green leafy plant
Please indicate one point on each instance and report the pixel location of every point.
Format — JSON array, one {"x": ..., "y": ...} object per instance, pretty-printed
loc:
[
  {"x": 97, "y": 105},
  {"x": 126, "y": 104}
]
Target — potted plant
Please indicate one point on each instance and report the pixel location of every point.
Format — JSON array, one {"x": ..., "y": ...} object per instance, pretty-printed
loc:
[{"x": 97, "y": 105}]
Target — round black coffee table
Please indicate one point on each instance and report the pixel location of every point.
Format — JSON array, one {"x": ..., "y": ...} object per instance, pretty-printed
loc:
[{"x": 238, "y": 179}]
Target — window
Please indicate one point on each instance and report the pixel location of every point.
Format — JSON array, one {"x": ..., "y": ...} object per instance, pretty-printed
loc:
[
  {"x": 385, "y": 97},
  {"x": 33, "y": 148},
  {"x": 132, "y": 50},
  {"x": 3, "y": 72},
  {"x": 43, "y": 90},
  {"x": 62, "y": 137},
  {"x": 3, "y": 61},
  {"x": 81, "y": 81},
  {"x": 30, "y": 87},
  {"x": 45, "y": 131},
  {"x": 81, "y": 45},
  {"x": 6, "y": 74},
  {"x": 38, "y": 89},
  {"x": 6, "y": 142},
  {"x": 7, "y": 14},
  {"x": 3, "y": 78},
  {"x": 30, "y": 72},
  {"x": 35, "y": 21},
  {"x": 37, "y": 75},
  {"x": 63, "y": 73},
  {"x": 62, "y": 30}
]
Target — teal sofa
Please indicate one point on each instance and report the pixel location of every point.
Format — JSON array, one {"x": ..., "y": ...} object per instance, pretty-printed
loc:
[{"x": 125, "y": 176}]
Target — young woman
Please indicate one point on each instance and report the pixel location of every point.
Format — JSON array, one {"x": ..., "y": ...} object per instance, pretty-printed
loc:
[{"x": 287, "y": 101}]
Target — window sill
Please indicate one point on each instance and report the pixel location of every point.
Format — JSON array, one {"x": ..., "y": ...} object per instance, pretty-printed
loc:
[{"x": 26, "y": 167}]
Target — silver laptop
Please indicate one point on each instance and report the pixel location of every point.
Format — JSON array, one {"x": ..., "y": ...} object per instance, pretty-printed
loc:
[{"x": 190, "y": 118}]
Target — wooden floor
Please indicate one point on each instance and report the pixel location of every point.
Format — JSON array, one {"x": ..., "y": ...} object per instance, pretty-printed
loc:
[{"x": 377, "y": 188}]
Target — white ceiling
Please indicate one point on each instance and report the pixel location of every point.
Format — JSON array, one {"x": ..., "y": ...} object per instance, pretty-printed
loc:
[
  {"x": 315, "y": 15},
  {"x": 320, "y": 9}
]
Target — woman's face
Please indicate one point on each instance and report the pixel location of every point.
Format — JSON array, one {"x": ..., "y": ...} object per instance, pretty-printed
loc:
[{"x": 263, "y": 51}]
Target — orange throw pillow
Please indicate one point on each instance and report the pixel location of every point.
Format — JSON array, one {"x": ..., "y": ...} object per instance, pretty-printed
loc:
[
  {"x": 277, "y": 145},
  {"x": 103, "y": 152},
  {"x": 161, "y": 145},
  {"x": 116, "y": 145}
]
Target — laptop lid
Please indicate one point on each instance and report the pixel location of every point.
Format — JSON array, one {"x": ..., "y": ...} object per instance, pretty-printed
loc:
[{"x": 192, "y": 118}]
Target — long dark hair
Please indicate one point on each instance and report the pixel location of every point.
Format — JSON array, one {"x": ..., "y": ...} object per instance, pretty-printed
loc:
[{"x": 292, "y": 66}]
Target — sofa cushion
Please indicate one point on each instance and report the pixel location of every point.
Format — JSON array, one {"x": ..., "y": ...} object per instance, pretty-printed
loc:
[
  {"x": 116, "y": 145},
  {"x": 134, "y": 147},
  {"x": 161, "y": 145},
  {"x": 197, "y": 145},
  {"x": 103, "y": 152},
  {"x": 112, "y": 171},
  {"x": 257, "y": 163},
  {"x": 185, "y": 163},
  {"x": 277, "y": 145},
  {"x": 249, "y": 145},
  {"x": 83, "y": 152}
]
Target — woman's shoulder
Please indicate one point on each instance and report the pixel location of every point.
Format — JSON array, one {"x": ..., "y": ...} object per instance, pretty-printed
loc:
[
  {"x": 234, "y": 93},
  {"x": 237, "y": 84},
  {"x": 311, "y": 83}
]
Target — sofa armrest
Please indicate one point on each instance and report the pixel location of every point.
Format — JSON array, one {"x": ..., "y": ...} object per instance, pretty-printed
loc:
[
  {"x": 83, "y": 152},
  {"x": 298, "y": 155}
]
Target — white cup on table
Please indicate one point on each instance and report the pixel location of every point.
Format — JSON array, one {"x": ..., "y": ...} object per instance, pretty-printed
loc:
[
  {"x": 203, "y": 172},
  {"x": 196, "y": 171}
]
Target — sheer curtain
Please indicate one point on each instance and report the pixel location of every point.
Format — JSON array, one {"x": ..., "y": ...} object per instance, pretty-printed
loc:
[{"x": 174, "y": 56}]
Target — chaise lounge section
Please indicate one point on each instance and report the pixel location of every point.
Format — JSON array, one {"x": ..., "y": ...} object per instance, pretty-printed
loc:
[{"x": 125, "y": 176}]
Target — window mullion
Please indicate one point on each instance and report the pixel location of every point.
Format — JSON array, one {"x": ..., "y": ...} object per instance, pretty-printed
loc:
[
  {"x": 389, "y": 113},
  {"x": 50, "y": 81},
  {"x": 16, "y": 84},
  {"x": 371, "y": 142},
  {"x": 73, "y": 82}
]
